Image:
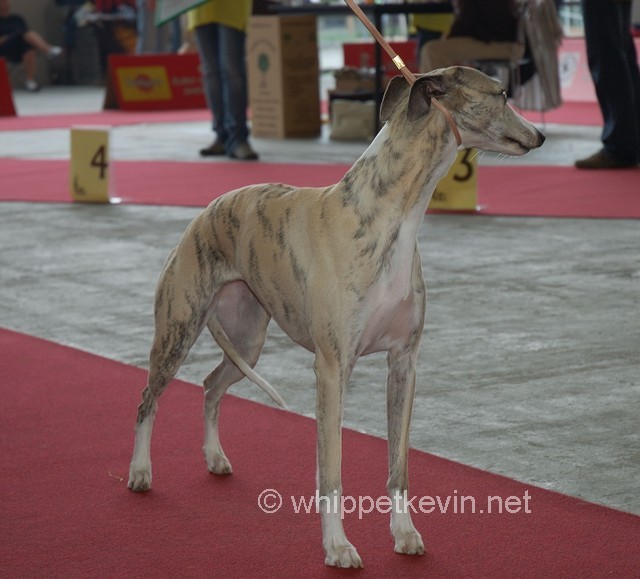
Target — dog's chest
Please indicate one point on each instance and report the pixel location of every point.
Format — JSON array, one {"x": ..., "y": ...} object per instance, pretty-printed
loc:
[{"x": 388, "y": 306}]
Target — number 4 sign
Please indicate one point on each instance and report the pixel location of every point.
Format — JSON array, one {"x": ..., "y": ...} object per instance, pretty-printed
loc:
[{"x": 90, "y": 171}]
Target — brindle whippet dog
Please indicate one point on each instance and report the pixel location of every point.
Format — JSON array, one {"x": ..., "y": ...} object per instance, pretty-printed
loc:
[{"x": 338, "y": 268}]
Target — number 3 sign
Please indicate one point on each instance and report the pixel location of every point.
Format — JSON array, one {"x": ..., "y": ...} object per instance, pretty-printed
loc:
[
  {"x": 458, "y": 190},
  {"x": 89, "y": 178}
]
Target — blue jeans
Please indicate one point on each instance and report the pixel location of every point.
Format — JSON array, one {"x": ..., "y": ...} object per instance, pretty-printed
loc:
[
  {"x": 614, "y": 69},
  {"x": 224, "y": 75}
]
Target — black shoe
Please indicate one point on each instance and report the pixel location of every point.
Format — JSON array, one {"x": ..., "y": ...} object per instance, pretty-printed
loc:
[
  {"x": 603, "y": 160},
  {"x": 214, "y": 150}
]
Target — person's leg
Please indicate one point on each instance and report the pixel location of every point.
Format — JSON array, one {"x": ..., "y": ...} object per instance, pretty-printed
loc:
[
  {"x": 141, "y": 26},
  {"x": 634, "y": 74},
  {"x": 606, "y": 32},
  {"x": 34, "y": 39},
  {"x": 29, "y": 62},
  {"x": 207, "y": 41},
  {"x": 160, "y": 38},
  {"x": 18, "y": 51},
  {"x": 151, "y": 39},
  {"x": 175, "y": 32},
  {"x": 233, "y": 74}
]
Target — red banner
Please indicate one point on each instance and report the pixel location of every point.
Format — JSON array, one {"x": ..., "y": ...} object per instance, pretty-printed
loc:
[
  {"x": 155, "y": 82},
  {"x": 6, "y": 94}
]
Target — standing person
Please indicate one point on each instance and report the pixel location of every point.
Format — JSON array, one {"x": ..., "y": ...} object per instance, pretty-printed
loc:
[
  {"x": 613, "y": 64},
  {"x": 154, "y": 39},
  {"x": 220, "y": 31},
  {"x": 19, "y": 44}
]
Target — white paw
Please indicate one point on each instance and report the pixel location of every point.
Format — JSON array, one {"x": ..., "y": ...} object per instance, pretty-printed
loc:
[
  {"x": 217, "y": 463},
  {"x": 139, "y": 479},
  {"x": 344, "y": 556},
  {"x": 410, "y": 543}
]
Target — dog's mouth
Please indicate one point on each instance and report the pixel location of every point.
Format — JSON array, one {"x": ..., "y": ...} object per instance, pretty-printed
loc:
[
  {"x": 515, "y": 142},
  {"x": 519, "y": 145}
]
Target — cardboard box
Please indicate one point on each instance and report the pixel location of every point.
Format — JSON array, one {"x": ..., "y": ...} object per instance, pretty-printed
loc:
[
  {"x": 350, "y": 79},
  {"x": 353, "y": 120},
  {"x": 284, "y": 91}
]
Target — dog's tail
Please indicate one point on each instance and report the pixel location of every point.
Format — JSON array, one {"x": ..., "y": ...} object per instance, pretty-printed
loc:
[{"x": 225, "y": 343}]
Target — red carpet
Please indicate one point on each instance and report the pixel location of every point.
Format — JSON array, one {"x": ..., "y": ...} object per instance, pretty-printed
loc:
[
  {"x": 108, "y": 117},
  {"x": 503, "y": 190},
  {"x": 67, "y": 430},
  {"x": 570, "y": 113},
  {"x": 559, "y": 192}
]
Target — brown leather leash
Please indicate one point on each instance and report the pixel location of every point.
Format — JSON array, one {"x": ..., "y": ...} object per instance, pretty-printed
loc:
[{"x": 401, "y": 66}]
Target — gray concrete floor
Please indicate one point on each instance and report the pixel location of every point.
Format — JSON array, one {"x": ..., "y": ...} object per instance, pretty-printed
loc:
[{"x": 530, "y": 359}]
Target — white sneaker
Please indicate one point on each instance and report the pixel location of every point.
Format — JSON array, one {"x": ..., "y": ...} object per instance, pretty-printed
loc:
[
  {"x": 54, "y": 52},
  {"x": 31, "y": 85}
]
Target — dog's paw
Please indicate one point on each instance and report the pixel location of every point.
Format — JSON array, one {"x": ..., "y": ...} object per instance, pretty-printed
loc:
[
  {"x": 220, "y": 466},
  {"x": 218, "y": 463},
  {"x": 409, "y": 543},
  {"x": 139, "y": 480},
  {"x": 344, "y": 556}
]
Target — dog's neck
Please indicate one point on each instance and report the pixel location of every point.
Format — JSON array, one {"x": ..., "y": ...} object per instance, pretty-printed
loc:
[{"x": 397, "y": 174}]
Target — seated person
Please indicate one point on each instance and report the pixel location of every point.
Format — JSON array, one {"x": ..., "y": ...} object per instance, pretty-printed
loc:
[
  {"x": 19, "y": 44},
  {"x": 487, "y": 30}
]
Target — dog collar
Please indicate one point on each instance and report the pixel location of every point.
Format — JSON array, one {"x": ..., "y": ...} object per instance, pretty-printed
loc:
[{"x": 450, "y": 119}]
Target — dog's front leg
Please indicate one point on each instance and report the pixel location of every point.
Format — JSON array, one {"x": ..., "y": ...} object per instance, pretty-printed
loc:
[
  {"x": 400, "y": 393},
  {"x": 331, "y": 382}
]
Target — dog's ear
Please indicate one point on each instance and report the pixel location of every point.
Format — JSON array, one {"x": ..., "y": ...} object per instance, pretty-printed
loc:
[
  {"x": 423, "y": 90},
  {"x": 396, "y": 89}
]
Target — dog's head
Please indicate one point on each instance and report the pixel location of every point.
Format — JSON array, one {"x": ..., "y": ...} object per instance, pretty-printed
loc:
[{"x": 477, "y": 103}]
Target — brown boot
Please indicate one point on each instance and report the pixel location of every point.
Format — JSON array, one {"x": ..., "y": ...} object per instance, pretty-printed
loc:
[
  {"x": 215, "y": 149},
  {"x": 603, "y": 160}
]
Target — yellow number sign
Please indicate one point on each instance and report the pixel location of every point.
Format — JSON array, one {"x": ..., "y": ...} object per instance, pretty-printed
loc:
[
  {"x": 458, "y": 190},
  {"x": 89, "y": 176}
]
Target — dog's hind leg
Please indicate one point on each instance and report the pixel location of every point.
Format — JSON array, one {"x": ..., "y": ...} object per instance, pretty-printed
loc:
[
  {"x": 245, "y": 322},
  {"x": 181, "y": 310}
]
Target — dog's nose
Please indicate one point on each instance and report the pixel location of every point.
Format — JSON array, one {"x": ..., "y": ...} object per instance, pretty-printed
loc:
[{"x": 541, "y": 137}]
